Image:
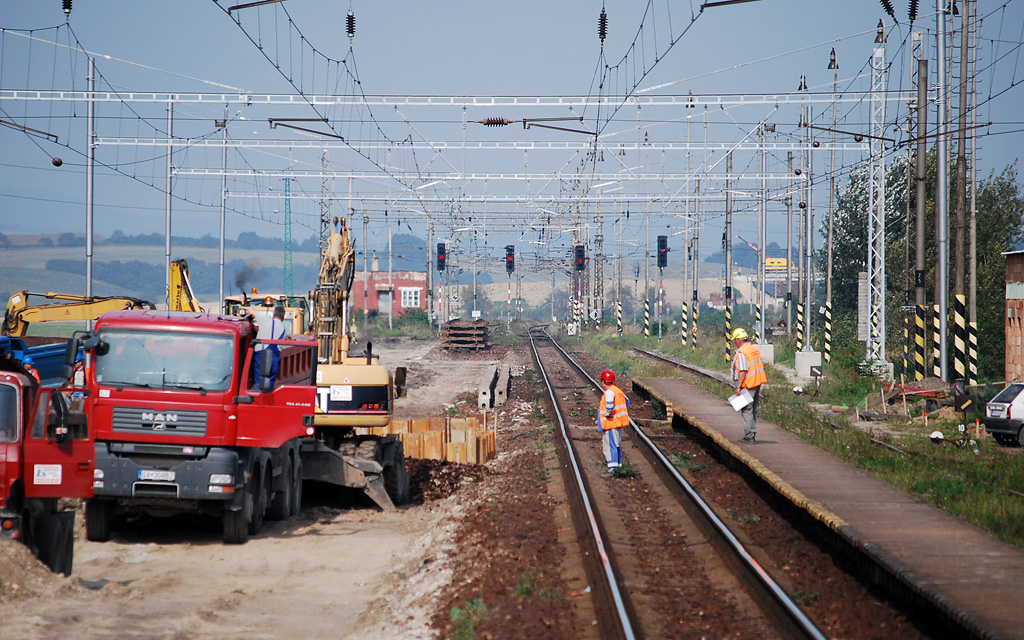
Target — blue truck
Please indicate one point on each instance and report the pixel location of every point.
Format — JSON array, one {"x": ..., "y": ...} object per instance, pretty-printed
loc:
[{"x": 48, "y": 355}]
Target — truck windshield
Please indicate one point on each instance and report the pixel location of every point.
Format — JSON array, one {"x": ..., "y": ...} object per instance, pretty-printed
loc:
[
  {"x": 8, "y": 413},
  {"x": 157, "y": 360}
]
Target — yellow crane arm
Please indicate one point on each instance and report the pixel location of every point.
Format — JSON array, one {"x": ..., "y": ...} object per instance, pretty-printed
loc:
[
  {"x": 180, "y": 295},
  {"x": 20, "y": 314}
]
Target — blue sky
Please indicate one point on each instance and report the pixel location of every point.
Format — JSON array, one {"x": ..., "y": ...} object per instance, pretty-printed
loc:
[{"x": 529, "y": 48}]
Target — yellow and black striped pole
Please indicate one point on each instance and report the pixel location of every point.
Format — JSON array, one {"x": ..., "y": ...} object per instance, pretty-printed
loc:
[
  {"x": 618, "y": 317},
  {"x": 693, "y": 330},
  {"x": 686, "y": 322},
  {"x": 906, "y": 345},
  {"x": 728, "y": 333},
  {"x": 800, "y": 323},
  {"x": 647, "y": 317},
  {"x": 757, "y": 323},
  {"x": 919, "y": 311},
  {"x": 960, "y": 335},
  {"x": 972, "y": 353},
  {"x": 936, "y": 343},
  {"x": 827, "y": 351}
]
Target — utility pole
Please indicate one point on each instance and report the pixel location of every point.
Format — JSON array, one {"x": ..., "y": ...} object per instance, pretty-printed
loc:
[
  {"x": 223, "y": 201},
  {"x": 167, "y": 195},
  {"x": 90, "y": 180},
  {"x": 789, "y": 245},
  {"x": 876, "y": 214},
  {"x": 366, "y": 272},
  {"x": 941, "y": 193},
  {"x": 728, "y": 255},
  {"x": 833, "y": 63}
]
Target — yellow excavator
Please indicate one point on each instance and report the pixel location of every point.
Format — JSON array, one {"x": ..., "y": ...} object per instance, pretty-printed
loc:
[
  {"x": 20, "y": 314},
  {"x": 351, "y": 391}
]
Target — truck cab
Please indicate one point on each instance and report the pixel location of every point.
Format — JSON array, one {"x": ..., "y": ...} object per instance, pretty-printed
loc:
[
  {"x": 45, "y": 454},
  {"x": 184, "y": 422}
]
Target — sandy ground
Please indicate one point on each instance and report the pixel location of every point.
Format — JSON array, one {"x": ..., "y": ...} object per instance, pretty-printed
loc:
[{"x": 335, "y": 571}]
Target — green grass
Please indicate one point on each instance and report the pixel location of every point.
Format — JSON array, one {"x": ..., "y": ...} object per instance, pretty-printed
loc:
[
  {"x": 532, "y": 583},
  {"x": 682, "y": 462},
  {"x": 973, "y": 487},
  {"x": 468, "y": 618}
]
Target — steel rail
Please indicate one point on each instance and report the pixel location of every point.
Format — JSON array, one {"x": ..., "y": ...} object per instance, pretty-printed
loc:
[
  {"x": 615, "y": 619},
  {"x": 779, "y": 607}
]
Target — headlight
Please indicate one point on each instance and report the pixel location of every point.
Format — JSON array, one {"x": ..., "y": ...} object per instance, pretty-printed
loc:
[
  {"x": 97, "y": 474},
  {"x": 222, "y": 478}
]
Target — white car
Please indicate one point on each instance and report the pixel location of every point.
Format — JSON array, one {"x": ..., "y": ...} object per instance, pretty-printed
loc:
[{"x": 1004, "y": 415}]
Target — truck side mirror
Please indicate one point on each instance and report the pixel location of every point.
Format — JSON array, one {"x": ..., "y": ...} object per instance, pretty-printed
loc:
[
  {"x": 70, "y": 357},
  {"x": 265, "y": 366},
  {"x": 94, "y": 343}
]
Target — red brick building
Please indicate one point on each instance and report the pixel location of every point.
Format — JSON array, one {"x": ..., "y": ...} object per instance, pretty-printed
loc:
[
  {"x": 408, "y": 290},
  {"x": 1014, "y": 315}
]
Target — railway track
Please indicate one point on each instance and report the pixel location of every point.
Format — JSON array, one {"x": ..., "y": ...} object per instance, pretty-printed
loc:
[{"x": 660, "y": 562}]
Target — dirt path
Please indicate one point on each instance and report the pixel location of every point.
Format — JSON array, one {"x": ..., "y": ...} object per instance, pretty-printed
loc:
[{"x": 332, "y": 572}]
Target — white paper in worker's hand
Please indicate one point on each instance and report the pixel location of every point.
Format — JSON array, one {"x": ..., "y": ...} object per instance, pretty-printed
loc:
[{"x": 742, "y": 400}]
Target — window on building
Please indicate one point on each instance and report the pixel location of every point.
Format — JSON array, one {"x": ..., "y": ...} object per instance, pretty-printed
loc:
[{"x": 410, "y": 297}]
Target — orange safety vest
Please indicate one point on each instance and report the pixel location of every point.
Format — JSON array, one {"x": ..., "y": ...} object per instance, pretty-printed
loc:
[
  {"x": 755, "y": 367},
  {"x": 619, "y": 417}
]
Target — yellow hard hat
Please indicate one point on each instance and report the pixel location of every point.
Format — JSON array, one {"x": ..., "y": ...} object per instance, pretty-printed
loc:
[{"x": 739, "y": 333}]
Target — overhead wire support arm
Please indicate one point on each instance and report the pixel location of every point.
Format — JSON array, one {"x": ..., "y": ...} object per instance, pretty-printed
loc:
[
  {"x": 722, "y": 3},
  {"x": 48, "y": 136},
  {"x": 856, "y": 136},
  {"x": 283, "y": 122},
  {"x": 249, "y": 5}
]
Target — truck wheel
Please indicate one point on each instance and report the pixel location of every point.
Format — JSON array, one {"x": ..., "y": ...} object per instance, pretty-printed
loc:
[
  {"x": 1020, "y": 437},
  {"x": 260, "y": 500},
  {"x": 55, "y": 540},
  {"x": 396, "y": 478},
  {"x": 281, "y": 505},
  {"x": 236, "y": 523},
  {"x": 297, "y": 486},
  {"x": 98, "y": 519}
]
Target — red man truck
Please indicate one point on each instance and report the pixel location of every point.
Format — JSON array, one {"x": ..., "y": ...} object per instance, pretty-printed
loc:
[
  {"x": 188, "y": 417},
  {"x": 45, "y": 455}
]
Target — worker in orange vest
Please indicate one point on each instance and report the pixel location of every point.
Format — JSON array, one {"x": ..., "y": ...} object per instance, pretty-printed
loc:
[
  {"x": 30, "y": 366},
  {"x": 748, "y": 373},
  {"x": 612, "y": 415}
]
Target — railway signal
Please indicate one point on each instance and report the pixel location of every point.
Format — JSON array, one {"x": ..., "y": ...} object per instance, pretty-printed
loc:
[
  {"x": 510, "y": 258},
  {"x": 662, "y": 252},
  {"x": 580, "y": 258},
  {"x": 440, "y": 256}
]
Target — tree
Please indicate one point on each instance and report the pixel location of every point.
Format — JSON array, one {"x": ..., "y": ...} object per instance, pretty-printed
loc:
[{"x": 1000, "y": 216}]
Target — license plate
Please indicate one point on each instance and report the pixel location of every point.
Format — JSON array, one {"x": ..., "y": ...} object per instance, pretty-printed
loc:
[{"x": 153, "y": 474}]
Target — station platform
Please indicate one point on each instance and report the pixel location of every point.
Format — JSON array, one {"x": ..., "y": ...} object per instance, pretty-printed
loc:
[{"x": 960, "y": 570}]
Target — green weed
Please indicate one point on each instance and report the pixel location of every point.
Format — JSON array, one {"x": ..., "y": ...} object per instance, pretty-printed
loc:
[{"x": 468, "y": 618}]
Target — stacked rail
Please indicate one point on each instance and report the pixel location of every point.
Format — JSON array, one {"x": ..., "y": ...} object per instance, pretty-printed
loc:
[{"x": 465, "y": 334}]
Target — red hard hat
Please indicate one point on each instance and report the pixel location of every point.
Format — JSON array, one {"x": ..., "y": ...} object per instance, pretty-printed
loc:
[{"x": 608, "y": 376}]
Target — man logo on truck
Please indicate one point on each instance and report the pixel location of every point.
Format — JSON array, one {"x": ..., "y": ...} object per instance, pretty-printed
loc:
[{"x": 159, "y": 420}]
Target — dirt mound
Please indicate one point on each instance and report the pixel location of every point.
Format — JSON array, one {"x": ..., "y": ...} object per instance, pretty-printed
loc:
[
  {"x": 22, "y": 575},
  {"x": 431, "y": 480}
]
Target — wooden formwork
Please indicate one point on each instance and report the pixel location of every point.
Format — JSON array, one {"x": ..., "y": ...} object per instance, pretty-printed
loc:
[{"x": 471, "y": 439}]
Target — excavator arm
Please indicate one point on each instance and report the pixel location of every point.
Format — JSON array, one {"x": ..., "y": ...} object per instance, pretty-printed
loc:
[
  {"x": 20, "y": 314},
  {"x": 337, "y": 272},
  {"x": 180, "y": 296}
]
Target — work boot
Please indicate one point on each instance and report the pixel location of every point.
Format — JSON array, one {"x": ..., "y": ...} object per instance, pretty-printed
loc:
[{"x": 607, "y": 474}]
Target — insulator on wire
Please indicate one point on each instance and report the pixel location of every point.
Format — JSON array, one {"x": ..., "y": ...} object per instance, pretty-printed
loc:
[
  {"x": 887, "y": 5},
  {"x": 496, "y": 122},
  {"x": 350, "y": 24},
  {"x": 67, "y": 8},
  {"x": 913, "y": 10},
  {"x": 602, "y": 25}
]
